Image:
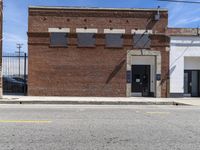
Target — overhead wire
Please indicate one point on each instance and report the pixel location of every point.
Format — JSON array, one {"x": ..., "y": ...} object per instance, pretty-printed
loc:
[{"x": 181, "y": 1}]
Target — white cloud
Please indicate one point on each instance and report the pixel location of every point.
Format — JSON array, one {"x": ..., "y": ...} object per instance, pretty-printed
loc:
[
  {"x": 9, "y": 37},
  {"x": 183, "y": 15},
  {"x": 186, "y": 21},
  {"x": 10, "y": 40}
]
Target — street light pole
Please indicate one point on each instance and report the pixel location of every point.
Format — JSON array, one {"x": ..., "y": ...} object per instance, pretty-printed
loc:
[{"x": 19, "y": 46}]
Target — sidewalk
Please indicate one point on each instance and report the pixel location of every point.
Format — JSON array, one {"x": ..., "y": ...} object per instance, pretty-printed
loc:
[
  {"x": 188, "y": 101},
  {"x": 99, "y": 100}
]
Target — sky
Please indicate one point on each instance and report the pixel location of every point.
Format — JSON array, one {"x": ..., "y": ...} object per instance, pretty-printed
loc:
[{"x": 15, "y": 23}]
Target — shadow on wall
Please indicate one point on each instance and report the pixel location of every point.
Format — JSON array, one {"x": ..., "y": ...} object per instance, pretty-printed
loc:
[
  {"x": 188, "y": 45},
  {"x": 115, "y": 71},
  {"x": 172, "y": 70},
  {"x": 151, "y": 22},
  {"x": 167, "y": 76},
  {"x": 184, "y": 51}
]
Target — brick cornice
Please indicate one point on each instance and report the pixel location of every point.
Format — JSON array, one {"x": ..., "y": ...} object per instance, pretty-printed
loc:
[
  {"x": 93, "y": 13},
  {"x": 38, "y": 34}
]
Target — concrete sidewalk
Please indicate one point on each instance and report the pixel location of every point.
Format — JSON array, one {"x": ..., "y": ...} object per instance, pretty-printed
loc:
[
  {"x": 188, "y": 101},
  {"x": 99, "y": 100}
]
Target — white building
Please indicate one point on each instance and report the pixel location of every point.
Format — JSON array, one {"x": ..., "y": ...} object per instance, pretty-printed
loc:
[{"x": 184, "y": 62}]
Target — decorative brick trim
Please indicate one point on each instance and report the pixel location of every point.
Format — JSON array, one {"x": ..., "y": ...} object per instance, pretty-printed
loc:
[
  {"x": 141, "y": 31},
  {"x": 94, "y": 13},
  {"x": 65, "y": 30},
  {"x": 83, "y": 30},
  {"x": 115, "y": 31}
]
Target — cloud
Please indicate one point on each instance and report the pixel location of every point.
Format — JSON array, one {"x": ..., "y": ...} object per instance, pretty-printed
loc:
[
  {"x": 14, "y": 25},
  {"x": 10, "y": 40},
  {"x": 183, "y": 15},
  {"x": 10, "y": 37},
  {"x": 16, "y": 15},
  {"x": 187, "y": 21}
]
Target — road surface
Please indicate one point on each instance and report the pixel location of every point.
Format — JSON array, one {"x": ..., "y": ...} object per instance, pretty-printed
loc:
[{"x": 90, "y": 127}]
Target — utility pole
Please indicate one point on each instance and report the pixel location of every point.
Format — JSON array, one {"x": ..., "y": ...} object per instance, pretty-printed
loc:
[{"x": 19, "y": 46}]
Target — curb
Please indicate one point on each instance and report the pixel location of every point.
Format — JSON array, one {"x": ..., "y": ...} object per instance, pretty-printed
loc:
[{"x": 90, "y": 102}]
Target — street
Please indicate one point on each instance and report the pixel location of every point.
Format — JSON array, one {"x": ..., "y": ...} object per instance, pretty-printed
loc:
[{"x": 92, "y": 127}]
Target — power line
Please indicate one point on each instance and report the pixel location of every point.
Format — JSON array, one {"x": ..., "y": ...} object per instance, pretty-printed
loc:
[{"x": 181, "y": 1}]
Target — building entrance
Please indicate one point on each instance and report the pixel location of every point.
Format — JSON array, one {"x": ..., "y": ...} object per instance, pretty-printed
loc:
[
  {"x": 191, "y": 83},
  {"x": 141, "y": 80}
]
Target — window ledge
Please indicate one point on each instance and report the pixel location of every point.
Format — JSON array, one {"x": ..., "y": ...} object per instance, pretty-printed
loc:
[
  {"x": 86, "y": 46},
  {"x": 141, "y": 47},
  {"x": 114, "y": 47},
  {"x": 51, "y": 46}
]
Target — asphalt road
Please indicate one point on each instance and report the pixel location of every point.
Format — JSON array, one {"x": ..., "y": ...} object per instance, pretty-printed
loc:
[{"x": 53, "y": 127}]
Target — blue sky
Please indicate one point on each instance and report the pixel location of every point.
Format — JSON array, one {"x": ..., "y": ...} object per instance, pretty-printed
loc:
[{"x": 16, "y": 15}]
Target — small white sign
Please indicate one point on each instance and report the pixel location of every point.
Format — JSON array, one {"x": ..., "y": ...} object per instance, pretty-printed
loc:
[{"x": 137, "y": 80}]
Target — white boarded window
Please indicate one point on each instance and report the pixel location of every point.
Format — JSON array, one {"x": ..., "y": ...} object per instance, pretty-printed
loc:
[
  {"x": 114, "y": 40},
  {"x": 58, "y": 39},
  {"x": 86, "y": 39}
]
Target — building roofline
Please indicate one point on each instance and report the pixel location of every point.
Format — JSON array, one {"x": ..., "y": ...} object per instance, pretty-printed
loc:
[
  {"x": 183, "y": 31},
  {"x": 179, "y": 28},
  {"x": 95, "y": 8}
]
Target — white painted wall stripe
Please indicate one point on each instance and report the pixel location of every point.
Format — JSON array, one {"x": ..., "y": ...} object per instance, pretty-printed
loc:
[
  {"x": 141, "y": 31},
  {"x": 83, "y": 30},
  {"x": 114, "y": 31},
  {"x": 65, "y": 30}
]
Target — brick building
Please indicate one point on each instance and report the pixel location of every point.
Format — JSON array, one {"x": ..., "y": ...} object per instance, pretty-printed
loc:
[{"x": 98, "y": 52}]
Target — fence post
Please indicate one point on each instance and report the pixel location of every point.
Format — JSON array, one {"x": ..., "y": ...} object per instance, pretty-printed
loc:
[{"x": 25, "y": 83}]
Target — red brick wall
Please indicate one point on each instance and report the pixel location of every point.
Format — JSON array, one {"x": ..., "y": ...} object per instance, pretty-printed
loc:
[{"x": 98, "y": 71}]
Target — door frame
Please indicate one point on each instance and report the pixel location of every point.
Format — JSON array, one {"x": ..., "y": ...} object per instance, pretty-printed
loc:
[
  {"x": 144, "y": 52},
  {"x": 190, "y": 80}
]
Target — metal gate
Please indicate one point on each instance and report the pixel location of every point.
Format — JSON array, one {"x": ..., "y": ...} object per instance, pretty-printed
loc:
[{"x": 15, "y": 74}]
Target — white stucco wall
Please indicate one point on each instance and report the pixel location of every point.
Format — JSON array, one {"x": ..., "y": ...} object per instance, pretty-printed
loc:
[
  {"x": 184, "y": 54},
  {"x": 146, "y": 60}
]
